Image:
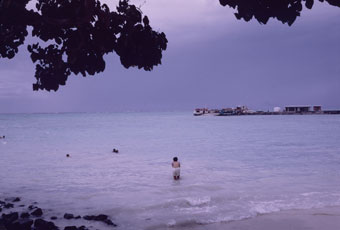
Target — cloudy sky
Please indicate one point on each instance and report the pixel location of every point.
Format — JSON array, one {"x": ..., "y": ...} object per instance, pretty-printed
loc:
[{"x": 213, "y": 60}]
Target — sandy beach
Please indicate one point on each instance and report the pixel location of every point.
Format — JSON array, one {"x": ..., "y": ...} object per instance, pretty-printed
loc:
[{"x": 311, "y": 219}]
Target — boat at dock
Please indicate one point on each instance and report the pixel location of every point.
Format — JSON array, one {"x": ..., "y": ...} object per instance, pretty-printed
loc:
[
  {"x": 205, "y": 111},
  {"x": 198, "y": 112}
]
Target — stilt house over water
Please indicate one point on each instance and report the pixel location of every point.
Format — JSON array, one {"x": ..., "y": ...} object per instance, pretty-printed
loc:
[{"x": 302, "y": 109}]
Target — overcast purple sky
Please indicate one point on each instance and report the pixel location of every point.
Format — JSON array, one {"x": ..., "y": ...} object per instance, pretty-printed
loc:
[{"x": 213, "y": 60}]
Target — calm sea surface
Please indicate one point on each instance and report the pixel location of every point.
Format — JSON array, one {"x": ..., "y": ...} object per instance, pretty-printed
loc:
[{"x": 232, "y": 167}]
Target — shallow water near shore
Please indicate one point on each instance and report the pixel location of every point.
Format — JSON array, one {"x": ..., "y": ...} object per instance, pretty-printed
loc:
[{"x": 232, "y": 167}]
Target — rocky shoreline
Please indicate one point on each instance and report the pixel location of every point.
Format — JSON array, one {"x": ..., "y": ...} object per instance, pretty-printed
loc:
[{"x": 18, "y": 216}]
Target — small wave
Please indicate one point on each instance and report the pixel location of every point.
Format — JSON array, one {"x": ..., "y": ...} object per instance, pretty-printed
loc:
[
  {"x": 310, "y": 193},
  {"x": 265, "y": 207},
  {"x": 171, "y": 223},
  {"x": 198, "y": 201},
  {"x": 197, "y": 210},
  {"x": 187, "y": 202}
]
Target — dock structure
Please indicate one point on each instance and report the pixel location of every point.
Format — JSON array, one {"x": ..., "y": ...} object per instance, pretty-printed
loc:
[
  {"x": 243, "y": 110},
  {"x": 297, "y": 109}
]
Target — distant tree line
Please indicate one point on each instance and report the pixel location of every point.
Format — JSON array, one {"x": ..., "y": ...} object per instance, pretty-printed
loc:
[{"x": 74, "y": 35}]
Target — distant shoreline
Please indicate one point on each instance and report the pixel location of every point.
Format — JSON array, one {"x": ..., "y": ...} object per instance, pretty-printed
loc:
[
  {"x": 330, "y": 112},
  {"x": 243, "y": 110}
]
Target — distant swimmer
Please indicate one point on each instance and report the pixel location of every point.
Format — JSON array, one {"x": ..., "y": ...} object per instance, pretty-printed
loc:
[
  {"x": 176, "y": 168},
  {"x": 3, "y": 137},
  {"x": 115, "y": 151},
  {"x": 67, "y": 155}
]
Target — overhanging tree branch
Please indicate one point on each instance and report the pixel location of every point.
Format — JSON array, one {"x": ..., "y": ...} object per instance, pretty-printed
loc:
[
  {"x": 75, "y": 35},
  {"x": 285, "y": 11}
]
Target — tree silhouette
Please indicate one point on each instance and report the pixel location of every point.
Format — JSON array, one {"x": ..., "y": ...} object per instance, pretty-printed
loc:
[
  {"x": 74, "y": 35},
  {"x": 285, "y": 11}
]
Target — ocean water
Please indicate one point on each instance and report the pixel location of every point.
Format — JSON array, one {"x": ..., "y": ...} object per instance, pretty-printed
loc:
[{"x": 232, "y": 167}]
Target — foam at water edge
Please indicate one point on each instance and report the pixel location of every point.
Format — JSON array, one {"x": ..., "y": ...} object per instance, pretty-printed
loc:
[{"x": 199, "y": 201}]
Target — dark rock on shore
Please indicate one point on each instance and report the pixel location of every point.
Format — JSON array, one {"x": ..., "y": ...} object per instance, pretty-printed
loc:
[
  {"x": 11, "y": 222},
  {"x": 103, "y": 218},
  {"x": 41, "y": 224},
  {"x": 8, "y": 205},
  {"x": 32, "y": 207},
  {"x": 109, "y": 222},
  {"x": 88, "y": 217},
  {"x": 75, "y": 228},
  {"x": 100, "y": 217},
  {"x": 29, "y": 218},
  {"x": 70, "y": 228},
  {"x": 38, "y": 212},
  {"x": 23, "y": 224},
  {"x": 13, "y": 199},
  {"x": 24, "y": 215},
  {"x": 9, "y": 218},
  {"x": 68, "y": 216}
]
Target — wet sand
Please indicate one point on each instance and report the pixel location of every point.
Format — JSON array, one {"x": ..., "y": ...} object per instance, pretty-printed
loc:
[
  {"x": 312, "y": 219},
  {"x": 316, "y": 219}
]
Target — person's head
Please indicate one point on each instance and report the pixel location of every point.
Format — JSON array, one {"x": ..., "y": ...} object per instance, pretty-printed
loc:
[
  {"x": 67, "y": 155},
  {"x": 175, "y": 159}
]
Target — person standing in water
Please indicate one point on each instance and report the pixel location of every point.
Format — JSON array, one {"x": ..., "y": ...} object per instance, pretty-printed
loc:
[{"x": 176, "y": 168}]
